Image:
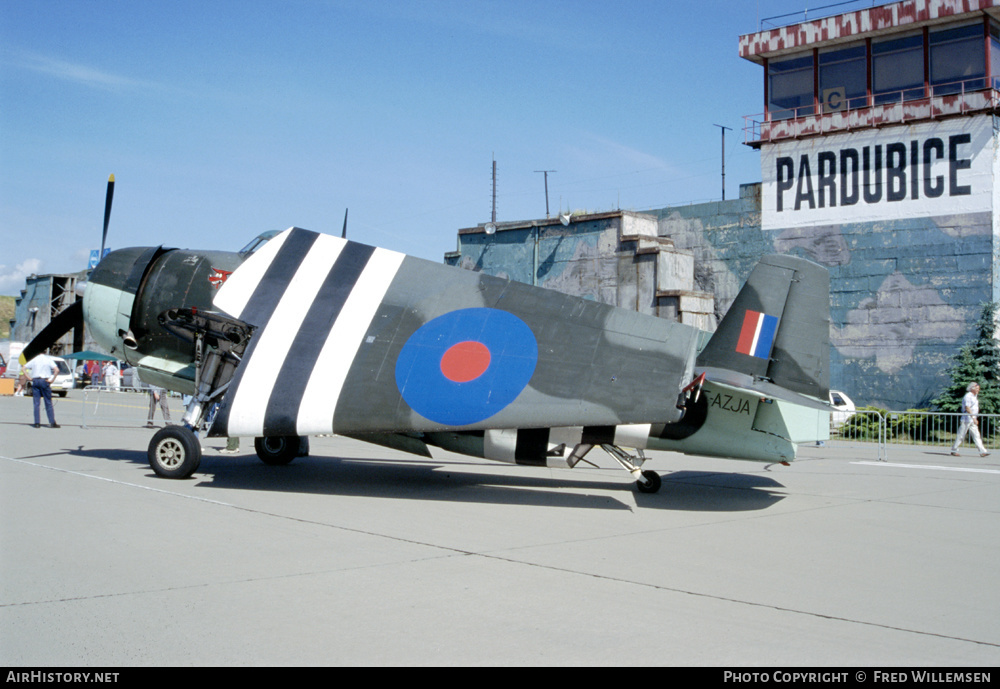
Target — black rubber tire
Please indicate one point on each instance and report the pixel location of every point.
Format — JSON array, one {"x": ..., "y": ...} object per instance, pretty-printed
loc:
[
  {"x": 277, "y": 450},
  {"x": 654, "y": 482},
  {"x": 174, "y": 452}
]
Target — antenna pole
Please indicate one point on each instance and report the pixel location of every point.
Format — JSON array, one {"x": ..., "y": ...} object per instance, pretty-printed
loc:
[
  {"x": 546, "y": 173},
  {"x": 493, "y": 216},
  {"x": 724, "y": 158}
]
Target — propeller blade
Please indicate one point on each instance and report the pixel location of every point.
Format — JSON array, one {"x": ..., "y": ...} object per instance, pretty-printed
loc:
[
  {"x": 107, "y": 214},
  {"x": 343, "y": 234},
  {"x": 67, "y": 319}
]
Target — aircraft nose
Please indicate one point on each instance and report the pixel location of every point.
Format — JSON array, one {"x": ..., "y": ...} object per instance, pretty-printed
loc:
[{"x": 111, "y": 292}]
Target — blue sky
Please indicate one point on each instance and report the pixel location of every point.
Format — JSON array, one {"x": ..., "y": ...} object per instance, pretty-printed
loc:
[{"x": 224, "y": 118}]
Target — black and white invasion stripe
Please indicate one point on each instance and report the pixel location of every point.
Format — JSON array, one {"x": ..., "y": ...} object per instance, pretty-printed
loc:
[{"x": 312, "y": 298}]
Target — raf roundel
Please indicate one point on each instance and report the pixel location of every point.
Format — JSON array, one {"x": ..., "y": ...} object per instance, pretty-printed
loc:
[{"x": 465, "y": 366}]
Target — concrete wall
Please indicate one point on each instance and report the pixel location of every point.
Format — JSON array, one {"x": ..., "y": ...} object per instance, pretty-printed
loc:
[
  {"x": 616, "y": 258},
  {"x": 724, "y": 238},
  {"x": 904, "y": 295}
]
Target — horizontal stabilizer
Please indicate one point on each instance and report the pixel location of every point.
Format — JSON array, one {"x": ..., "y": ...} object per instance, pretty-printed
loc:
[{"x": 762, "y": 387}]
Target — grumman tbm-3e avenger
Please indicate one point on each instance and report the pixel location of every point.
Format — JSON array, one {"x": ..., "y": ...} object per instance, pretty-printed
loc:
[{"x": 302, "y": 334}]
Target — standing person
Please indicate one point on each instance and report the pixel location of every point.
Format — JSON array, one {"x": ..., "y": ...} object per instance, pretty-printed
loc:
[
  {"x": 42, "y": 371},
  {"x": 157, "y": 395},
  {"x": 970, "y": 420},
  {"x": 94, "y": 372},
  {"x": 112, "y": 376}
]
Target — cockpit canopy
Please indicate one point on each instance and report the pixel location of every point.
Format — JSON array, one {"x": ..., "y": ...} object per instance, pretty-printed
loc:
[{"x": 257, "y": 242}]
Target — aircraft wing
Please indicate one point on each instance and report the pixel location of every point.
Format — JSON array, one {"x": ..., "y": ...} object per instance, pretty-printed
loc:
[{"x": 355, "y": 339}]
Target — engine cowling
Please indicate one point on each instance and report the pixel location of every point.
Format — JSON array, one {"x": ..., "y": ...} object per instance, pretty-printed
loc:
[{"x": 131, "y": 288}]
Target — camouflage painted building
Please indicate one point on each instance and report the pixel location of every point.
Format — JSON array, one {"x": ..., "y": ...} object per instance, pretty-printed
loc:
[
  {"x": 879, "y": 160},
  {"x": 615, "y": 258}
]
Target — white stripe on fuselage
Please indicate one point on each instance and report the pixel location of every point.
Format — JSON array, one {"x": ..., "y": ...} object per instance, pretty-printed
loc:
[
  {"x": 634, "y": 435},
  {"x": 236, "y": 291},
  {"x": 319, "y": 400},
  {"x": 274, "y": 343}
]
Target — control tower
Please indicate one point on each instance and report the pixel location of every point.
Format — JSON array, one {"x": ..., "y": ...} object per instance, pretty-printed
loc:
[{"x": 879, "y": 159}]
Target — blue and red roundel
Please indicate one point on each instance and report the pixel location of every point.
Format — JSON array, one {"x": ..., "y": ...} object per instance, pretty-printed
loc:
[{"x": 465, "y": 366}]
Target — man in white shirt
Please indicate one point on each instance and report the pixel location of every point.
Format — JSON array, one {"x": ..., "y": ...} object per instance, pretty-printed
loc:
[
  {"x": 42, "y": 371},
  {"x": 970, "y": 420},
  {"x": 112, "y": 376}
]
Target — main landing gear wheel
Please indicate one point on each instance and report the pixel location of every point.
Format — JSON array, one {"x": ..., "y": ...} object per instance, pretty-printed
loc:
[
  {"x": 174, "y": 452},
  {"x": 277, "y": 450},
  {"x": 652, "y": 484}
]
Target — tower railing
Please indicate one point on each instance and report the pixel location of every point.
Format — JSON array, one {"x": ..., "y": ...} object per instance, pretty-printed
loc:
[{"x": 950, "y": 99}]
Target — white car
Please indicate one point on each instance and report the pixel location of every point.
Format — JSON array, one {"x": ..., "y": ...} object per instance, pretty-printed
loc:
[
  {"x": 64, "y": 378},
  {"x": 843, "y": 408},
  {"x": 63, "y": 381}
]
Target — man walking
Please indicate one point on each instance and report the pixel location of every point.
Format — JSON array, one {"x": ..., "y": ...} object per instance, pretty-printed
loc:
[
  {"x": 970, "y": 420},
  {"x": 42, "y": 371}
]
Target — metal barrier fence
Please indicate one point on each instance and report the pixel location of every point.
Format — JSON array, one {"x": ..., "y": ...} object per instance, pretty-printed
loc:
[
  {"x": 897, "y": 428},
  {"x": 104, "y": 406},
  {"x": 864, "y": 427}
]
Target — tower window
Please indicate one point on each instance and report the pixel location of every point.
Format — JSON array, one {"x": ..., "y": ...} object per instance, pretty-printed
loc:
[
  {"x": 956, "y": 60},
  {"x": 790, "y": 87},
  {"x": 843, "y": 84},
  {"x": 898, "y": 69}
]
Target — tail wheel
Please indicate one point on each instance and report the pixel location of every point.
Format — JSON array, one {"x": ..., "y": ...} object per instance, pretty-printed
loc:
[
  {"x": 277, "y": 450},
  {"x": 652, "y": 484},
  {"x": 174, "y": 452}
]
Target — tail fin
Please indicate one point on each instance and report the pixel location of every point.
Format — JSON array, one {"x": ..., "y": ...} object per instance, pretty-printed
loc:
[{"x": 776, "y": 333}]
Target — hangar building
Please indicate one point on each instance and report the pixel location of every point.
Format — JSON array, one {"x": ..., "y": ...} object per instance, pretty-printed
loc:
[
  {"x": 43, "y": 298},
  {"x": 879, "y": 160}
]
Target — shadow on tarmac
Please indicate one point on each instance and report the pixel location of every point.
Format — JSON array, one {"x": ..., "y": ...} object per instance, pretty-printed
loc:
[{"x": 471, "y": 482}]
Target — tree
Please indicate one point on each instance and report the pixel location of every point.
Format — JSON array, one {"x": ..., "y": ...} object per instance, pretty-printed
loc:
[{"x": 977, "y": 362}]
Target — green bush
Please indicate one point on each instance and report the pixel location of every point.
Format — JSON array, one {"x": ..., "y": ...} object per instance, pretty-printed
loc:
[
  {"x": 862, "y": 426},
  {"x": 913, "y": 426}
]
